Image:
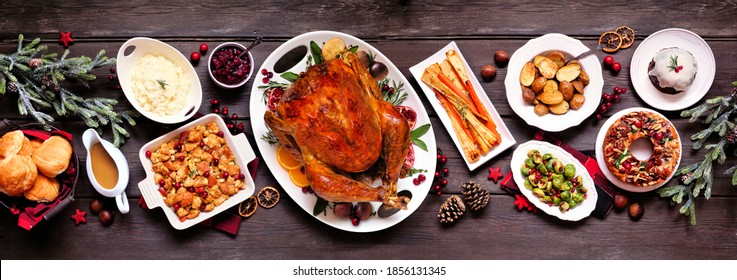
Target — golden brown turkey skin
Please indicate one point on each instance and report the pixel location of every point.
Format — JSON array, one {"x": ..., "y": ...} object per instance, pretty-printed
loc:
[{"x": 332, "y": 120}]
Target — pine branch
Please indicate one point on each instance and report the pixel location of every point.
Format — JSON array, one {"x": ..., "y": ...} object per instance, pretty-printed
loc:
[
  {"x": 720, "y": 113},
  {"x": 35, "y": 76}
]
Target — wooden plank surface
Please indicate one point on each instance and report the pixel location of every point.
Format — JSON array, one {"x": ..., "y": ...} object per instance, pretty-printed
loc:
[{"x": 406, "y": 32}]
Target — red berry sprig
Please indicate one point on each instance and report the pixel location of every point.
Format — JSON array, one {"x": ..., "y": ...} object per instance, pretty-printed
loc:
[
  {"x": 607, "y": 101},
  {"x": 440, "y": 173},
  {"x": 612, "y": 65},
  {"x": 231, "y": 121}
]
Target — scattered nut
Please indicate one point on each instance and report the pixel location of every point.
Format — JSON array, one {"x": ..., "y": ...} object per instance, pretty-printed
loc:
[
  {"x": 488, "y": 73},
  {"x": 636, "y": 211},
  {"x": 620, "y": 202},
  {"x": 501, "y": 58}
]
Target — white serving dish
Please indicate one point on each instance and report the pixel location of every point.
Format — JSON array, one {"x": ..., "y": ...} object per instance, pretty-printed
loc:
[
  {"x": 600, "y": 153},
  {"x": 666, "y": 38},
  {"x": 243, "y": 155},
  {"x": 209, "y": 65},
  {"x": 423, "y": 159},
  {"x": 581, "y": 211},
  {"x": 142, "y": 46},
  {"x": 544, "y": 45},
  {"x": 507, "y": 138}
]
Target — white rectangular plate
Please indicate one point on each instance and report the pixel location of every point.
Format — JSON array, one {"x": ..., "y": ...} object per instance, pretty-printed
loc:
[{"x": 507, "y": 138}]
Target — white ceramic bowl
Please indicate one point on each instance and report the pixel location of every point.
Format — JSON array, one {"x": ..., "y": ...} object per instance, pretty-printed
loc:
[
  {"x": 142, "y": 46},
  {"x": 581, "y": 211},
  {"x": 243, "y": 155},
  {"x": 544, "y": 45},
  {"x": 209, "y": 66}
]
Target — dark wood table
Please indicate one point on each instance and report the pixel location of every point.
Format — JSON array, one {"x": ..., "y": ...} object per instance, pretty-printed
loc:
[{"x": 406, "y": 32}]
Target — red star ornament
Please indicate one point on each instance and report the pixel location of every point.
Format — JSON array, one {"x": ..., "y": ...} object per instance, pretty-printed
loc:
[
  {"x": 522, "y": 202},
  {"x": 65, "y": 38},
  {"x": 79, "y": 217},
  {"x": 495, "y": 174}
]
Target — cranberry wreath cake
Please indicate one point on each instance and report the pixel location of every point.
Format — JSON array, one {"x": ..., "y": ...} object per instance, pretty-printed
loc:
[
  {"x": 666, "y": 148},
  {"x": 672, "y": 70}
]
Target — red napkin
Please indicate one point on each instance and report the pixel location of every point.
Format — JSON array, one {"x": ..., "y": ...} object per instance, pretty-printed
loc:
[
  {"x": 604, "y": 190},
  {"x": 31, "y": 213},
  {"x": 225, "y": 221}
]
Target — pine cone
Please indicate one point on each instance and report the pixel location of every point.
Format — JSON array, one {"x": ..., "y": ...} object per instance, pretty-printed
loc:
[
  {"x": 451, "y": 210},
  {"x": 475, "y": 195},
  {"x": 731, "y": 137},
  {"x": 12, "y": 87},
  {"x": 33, "y": 63}
]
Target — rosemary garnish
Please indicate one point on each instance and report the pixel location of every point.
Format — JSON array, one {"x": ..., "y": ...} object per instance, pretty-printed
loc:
[
  {"x": 162, "y": 83},
  {"x": 673, "y": 63}
]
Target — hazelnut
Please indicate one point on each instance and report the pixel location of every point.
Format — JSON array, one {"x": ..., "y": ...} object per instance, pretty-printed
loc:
[
  {"x": 96, "y": 205},
  {"x": 620, "y": 202},
  {"x": 488, "y": 72},
  {"x": 501, "y": 58},
  {"x": 106, "y": 217},
  {"x": 636, "y": 211}
]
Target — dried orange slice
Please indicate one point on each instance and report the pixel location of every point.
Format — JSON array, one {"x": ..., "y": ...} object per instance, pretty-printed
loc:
[
  {"x": 268, "y": 197},
  {"x": 298, "y": 177},
  {"x": 286, "y": 160},
  {"x": 628, "y": 36},
  {"x": 248, "y": 207},
  {"x": 610, "y": 41}
]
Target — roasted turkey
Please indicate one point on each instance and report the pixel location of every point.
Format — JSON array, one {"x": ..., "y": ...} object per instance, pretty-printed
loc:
[{"x": 334, "y": 120}]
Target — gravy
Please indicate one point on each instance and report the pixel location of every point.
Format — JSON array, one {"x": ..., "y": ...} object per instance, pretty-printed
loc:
[{"x": 103, "y": 167}]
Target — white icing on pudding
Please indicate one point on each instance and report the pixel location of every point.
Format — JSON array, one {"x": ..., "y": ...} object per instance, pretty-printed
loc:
[{"x": 674, "y": 68}]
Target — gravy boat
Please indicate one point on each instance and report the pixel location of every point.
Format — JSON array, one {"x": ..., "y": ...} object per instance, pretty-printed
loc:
[{"x": 90, "y": 138}]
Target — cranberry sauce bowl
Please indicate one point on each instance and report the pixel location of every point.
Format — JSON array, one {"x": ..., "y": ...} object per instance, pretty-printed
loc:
[{"x": 227, "y": 68}]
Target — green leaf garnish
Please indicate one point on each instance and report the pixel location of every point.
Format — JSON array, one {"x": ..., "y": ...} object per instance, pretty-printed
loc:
[
  {"x": 289, "y": 76},
  {"x": 415, "y": 135},
  {"x": 320, "y": 206},
  {"x": 316, "y": 52},
  {"x": 162, "y": 83}
]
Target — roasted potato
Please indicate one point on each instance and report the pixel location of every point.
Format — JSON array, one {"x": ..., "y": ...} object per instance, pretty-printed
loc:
[
  {"x": 550, "y": 97},
  {"x": 550, "y": 85},
  {"x": 527, "y": 76},
  {"x": 538, "y": 84},
  {"x": 568, "y": 73},
  {"x": 567, "y": 89},
  {"x": 527, "y": 95},
  {"x": 578, "y": 86},
  {"x": 584, "y": 78},
  {"x": 332, "y": 48},
  {"x": 541, "y": 109},
  {"x": 577, "y": 101},
  {"x": 558, "y": 57},
  {"x": 537, "y": 59},
  {"x": 560, "y": 108},
  {"x": 548, "y": 68}
]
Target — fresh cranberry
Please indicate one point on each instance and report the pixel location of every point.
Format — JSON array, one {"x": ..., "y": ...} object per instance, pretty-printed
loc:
[
  {"x": 444, "y": 159},
  {"x": 609, "y": 104},
  {"x": 112, "y": 70},
  {"x": 265, "y": 80},
  {"x": 355, "y": 221},
  {"x": 391, "y": 91},
  {"x": 638, "y": 124},
  {"x": 202, "y": 207},
  {"x": 608, "y": 60},
  {"x": 216, "y": 111},
  {"x": 437, "y": 174},
  {"x": 195, "y": 57},
  {"x": 225, "y": 174},
  {"x": 111, "y": 77},
  {"x": 421, "y": 177},
  {"x": 206, "y": 174},
  {"x": 224, "y": 111},
  {"x": 216, "y": 162},
  {"x": 616, "y": 89},
  {"x": 444, "y": 182},
  {"x": 230, "y": 126},
  {"x": 445, "y": 171},
  {"x": 181, "y": 158},
  {"x": 202, "y": 144},
  {"x": 436, "y": 188},
  {"x": 439, "y": 193},
  {"x": 598, "y": 116},
  {"x": 603, "y": 108},
  {"x": 416, "y": 181},
  {"x": 148, "y": 154},
  {"x": 615, "y": 98},
  {"x": 204, "y": 195},
  {"x": 622, "y": 90},
  {"x": 220, "y": 134},
  {"x": 190, "y": 189},
  {"x": 627, "y": 165},
  {"x": 385, "y": 87},
  {"x": 214, "y": 102},
  {"x": 176, "y": 206},
  {"x": 178, "y": 147},
  {"x": 658, "y": 136},
  {"x": 162, "y": 183},
  {"x": 203, "y": 48},
  {"x": 241, "y": 127},
  {"x": 616, "y": 67},
  {"x": 269, "y": 75},
  {"x": 234, "y": 117},
  {"x": 264, "y": 71},
  {"x": 607, "y": 97},
  {"x": 178, "y": 185},
  {"x": 241, "y": 176}
]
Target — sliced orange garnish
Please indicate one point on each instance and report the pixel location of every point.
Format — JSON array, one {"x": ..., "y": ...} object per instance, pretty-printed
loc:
[
  {"x": 248, "y": 207},
  {"x": 628, "y": 36},
  {"x": 268, "y": 197},
  {"x": 610, "y": 41},
  {"x": 286, "y": 160},
  {"x": 298, "y": 177}
]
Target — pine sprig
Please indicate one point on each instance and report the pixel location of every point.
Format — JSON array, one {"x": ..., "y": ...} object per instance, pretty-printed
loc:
[
  {"x": 35, "y": 76},
  {"x": 721, "y": 117}
]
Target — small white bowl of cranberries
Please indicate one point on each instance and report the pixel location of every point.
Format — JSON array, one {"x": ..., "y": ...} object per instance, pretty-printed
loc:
[{"x": 227, "y": 68}]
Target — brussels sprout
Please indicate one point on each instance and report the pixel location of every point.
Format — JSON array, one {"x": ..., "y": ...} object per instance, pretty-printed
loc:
[
  {"x": 569, "y": 171},
  {"x": 542, "y": 169},
  {"x": 546, "y": 199},
  {"x": 548, "y": 185},
  {"x": 578, "y": 197},
  {"x": 556, "y": 201},
  {"x": 549, "y": 165},
  {"x": 538, "y": 192},
  {"x": 583, "y": 189},
  {"x": 525, "y": 170},
  {"x": 529, "y": 163},
  {"x": 557, "y": 182},
  {"x": 565, "y": 195},
  {"x": 558, "y": 166},
  {"x": 547, "y": 156},
  {"x": 537, "y": 158},
  {"x": 579, "y": 179},
  {"x": 531, "y": 153},
  {"x": 572, "y": 204},
  {"x": 567, "y": 185},
  {"x": 528, "y": 185},
  {"x": 564, "y": 206}
]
